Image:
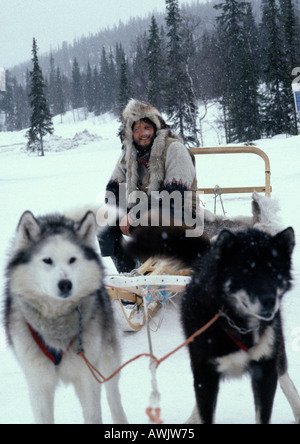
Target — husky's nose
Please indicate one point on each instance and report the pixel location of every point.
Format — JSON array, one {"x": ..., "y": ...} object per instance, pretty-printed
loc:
[
  {"x": 268, "y": 303},
  {"x": 65, "y": 287}
]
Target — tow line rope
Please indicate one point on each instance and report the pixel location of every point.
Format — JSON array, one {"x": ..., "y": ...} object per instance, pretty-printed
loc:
[{"x": 152, "y": 412}]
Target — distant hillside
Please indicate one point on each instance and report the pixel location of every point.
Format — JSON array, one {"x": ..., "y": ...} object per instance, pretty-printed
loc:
[
  {"x": 89, "y": 48},
  {"x": 240, "y": 54}
]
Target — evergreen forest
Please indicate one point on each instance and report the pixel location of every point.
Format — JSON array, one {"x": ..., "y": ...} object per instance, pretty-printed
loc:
[{"x": 241, "y": 54}]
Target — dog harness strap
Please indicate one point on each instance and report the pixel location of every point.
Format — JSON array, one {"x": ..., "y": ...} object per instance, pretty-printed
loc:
[
  {"x": 54, "y": 355},
  {"x": 236, "y": 341}
]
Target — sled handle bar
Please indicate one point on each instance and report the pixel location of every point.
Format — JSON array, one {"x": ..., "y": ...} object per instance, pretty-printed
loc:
[{"x": 267, "y": 189}]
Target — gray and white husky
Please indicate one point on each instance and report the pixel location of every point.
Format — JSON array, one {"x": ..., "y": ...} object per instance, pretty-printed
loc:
[{"x": 56, "y": 304}]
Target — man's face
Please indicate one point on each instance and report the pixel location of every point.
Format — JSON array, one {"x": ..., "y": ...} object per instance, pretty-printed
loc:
[{"x": 143, "y": 134}]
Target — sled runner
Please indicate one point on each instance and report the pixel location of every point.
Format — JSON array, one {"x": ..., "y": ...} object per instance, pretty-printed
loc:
[{"x": 156, "y": 282}]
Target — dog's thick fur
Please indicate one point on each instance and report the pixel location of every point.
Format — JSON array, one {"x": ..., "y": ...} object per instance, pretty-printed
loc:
[
  {"x": 244, "y": 276},
  {"x": 171, "y": 241},
  {"x": 55, "y": 289}
]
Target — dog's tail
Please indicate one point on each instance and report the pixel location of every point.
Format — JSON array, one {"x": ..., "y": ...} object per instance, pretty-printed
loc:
[{"x": 166, "y": 242}]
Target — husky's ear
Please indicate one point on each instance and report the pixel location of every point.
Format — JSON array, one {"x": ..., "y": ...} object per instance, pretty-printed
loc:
[
  {"x": 284, "y": 242},
  {"x": 28, "y": 230},
  {"x": 224, "y": 243},
  {"x": 87, "y": 229}
]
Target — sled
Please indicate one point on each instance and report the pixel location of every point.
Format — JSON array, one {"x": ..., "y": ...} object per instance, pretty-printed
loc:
[{"x": 156, "y": 281}]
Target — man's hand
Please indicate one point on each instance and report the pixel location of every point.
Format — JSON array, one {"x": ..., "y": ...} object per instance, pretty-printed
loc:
[{"x": 125, "y": 225}]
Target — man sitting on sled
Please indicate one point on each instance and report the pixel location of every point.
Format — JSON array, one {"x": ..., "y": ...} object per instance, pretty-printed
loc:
[{"x": 154, "y": 161}]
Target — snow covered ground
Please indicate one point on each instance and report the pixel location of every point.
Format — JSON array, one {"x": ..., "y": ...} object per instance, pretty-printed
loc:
[{"x": 68, "y": 177}]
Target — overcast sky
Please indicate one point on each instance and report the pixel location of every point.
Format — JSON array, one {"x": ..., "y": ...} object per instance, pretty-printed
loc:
[{"x": 53, "y": 21}]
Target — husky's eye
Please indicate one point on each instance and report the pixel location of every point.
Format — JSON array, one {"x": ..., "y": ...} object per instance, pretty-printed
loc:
[
  {"x": 72, "y": 260},
  {"x": 48, "y": 261}
]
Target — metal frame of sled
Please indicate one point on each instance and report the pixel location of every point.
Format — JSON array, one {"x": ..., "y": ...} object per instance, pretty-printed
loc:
[{"x": 155, "y": 275}]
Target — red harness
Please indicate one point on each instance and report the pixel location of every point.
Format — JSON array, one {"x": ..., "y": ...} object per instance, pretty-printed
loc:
[
  {"x": 54, "y": 355},
  {"x": 236, "y": 341}
]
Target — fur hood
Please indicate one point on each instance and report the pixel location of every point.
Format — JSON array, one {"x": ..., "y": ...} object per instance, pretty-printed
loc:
[{"x": 135, "y": 111}]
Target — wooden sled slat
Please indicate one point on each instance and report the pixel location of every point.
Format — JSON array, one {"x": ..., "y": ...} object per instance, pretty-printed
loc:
[{"x": 135, "y": 318}]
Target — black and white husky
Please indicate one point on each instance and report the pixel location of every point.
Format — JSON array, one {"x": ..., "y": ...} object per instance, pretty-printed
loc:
[
  {"x": 56, "y": 304},
  {"x": 243, "y": 276}
]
